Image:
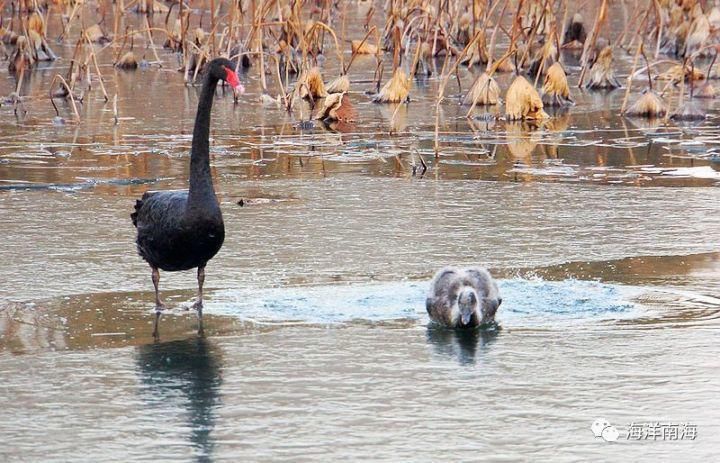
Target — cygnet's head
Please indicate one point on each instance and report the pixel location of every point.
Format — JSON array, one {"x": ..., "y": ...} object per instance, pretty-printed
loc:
[{"x": 468, "y": 305}]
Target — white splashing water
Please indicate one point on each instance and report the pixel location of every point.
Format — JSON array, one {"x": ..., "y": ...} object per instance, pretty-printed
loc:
[{"x": 526, "y": 302}]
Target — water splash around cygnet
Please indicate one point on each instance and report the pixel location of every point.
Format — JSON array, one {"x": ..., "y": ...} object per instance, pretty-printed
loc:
[{"x": 526, "y": 302}]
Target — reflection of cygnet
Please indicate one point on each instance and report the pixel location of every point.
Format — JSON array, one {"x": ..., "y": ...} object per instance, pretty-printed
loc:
[
  {"x": 598, "y": 426},
  {"x": 610, "y": 433},
  {"x": 463, "y": 297}
]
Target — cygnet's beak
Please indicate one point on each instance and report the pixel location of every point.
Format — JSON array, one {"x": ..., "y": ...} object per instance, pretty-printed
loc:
[{"x": 465, "y": 317}]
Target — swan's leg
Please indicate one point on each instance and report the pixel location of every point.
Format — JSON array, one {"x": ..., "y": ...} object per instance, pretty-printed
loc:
[
  {"x": 159, "y": 306},
  {"x": 156, "y": 282},
  {"x": 198, "y": 305}
]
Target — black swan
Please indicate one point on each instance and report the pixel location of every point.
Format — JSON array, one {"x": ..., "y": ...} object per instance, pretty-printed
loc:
[
  {"x": 463, "y": 297},
  {"x": 183, "y": 229}
]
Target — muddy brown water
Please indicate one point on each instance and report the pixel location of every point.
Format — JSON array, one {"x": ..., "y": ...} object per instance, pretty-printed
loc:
[{"x": 603, "y": 232}]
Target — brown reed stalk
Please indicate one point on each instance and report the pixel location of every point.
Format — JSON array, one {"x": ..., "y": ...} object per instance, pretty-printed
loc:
[
  {"x": 93, "y": 58},
  {"x": 60, "y": 78},
  {"x": 354, "y": 53},
  {"x": 212, "y": 27},
  {"x": 439, "y": 100},
  {"x": 630, "y": 77},
  {"x": 590, "y": 41},
  {"x": 491, "y": 49},
  {"x": 533, "y": 31},
  {"x": 152, "y": 44},
  {"x": 66, "y": 27}
]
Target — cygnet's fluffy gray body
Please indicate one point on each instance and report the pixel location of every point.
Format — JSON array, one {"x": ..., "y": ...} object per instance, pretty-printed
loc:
[{"x": 461, "y": 298}]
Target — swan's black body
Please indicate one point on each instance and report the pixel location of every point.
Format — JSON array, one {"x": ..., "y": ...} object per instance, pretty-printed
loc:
[
  {"x": 181, "y": 230},
  {"x": 175, "y": 235}
]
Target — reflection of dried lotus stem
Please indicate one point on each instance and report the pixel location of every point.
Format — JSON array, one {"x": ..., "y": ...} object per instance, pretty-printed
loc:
[
  {"x": 556, "y": 91},
  {"x": 127, "y": 61},
  {"x": 602, "y": 75},
  {"x": 650, "y": 105},
  {"x": 337, "y": 107},
  {"x": 340, "y": 85},
  {"x": 361, "y": 47},
  {"x": 396, "y": 90},
  {"x": 313, "y": 84},
  {"x": 523, "y": 102},
  {"x": 484, "y": 91},
  {"x": 116, "y": 115}
]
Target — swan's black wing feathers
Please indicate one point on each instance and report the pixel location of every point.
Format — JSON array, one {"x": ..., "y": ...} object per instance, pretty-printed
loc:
[{"x": 159, "y": 217}]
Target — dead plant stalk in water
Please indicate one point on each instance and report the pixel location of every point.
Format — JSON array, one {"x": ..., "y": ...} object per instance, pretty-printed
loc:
[
  {"x": 630, "y": 78},
  {"x": 93, "y": 58},
  {"x": 64, "y": 83},
  {"x": 590, "y": 41}
]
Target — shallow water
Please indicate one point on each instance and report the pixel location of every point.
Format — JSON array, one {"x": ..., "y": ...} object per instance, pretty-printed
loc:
[{"x": 602, "y": 232}]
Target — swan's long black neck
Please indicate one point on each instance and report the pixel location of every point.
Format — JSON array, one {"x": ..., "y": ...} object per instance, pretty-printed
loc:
[{"x": 201, "y": 185}]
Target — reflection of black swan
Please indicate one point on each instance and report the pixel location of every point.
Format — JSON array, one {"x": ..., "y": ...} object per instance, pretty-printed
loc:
[
  {"x": 181, "y": 230},
  {"x": 185, "y": 373},
  {"x": 463, "y": 297}
]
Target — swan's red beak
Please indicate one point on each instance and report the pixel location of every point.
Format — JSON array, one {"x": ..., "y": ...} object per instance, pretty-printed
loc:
[{"x": 232, "y": 79}]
